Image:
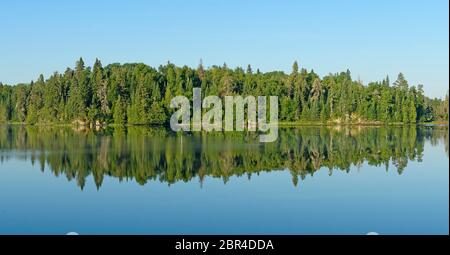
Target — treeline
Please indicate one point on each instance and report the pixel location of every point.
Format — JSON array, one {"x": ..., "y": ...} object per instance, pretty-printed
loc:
[
  {"x": 156, "y": 154},
  {"x": 139, "y": 94}
]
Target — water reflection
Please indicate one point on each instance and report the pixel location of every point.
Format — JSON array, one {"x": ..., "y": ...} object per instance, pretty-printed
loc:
[{"x": 145, "y": 154}]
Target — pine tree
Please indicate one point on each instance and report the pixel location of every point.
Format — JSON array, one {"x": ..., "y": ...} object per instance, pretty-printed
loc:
[
  {"x": 35, "y": 102},
  {"x": 120, "y": 111},
  {"x": 412, "y": 111},
  {"x": 20, "y": 103},
  {"x": 385, "y": 105},
  {"x": 52, "y": 97}
]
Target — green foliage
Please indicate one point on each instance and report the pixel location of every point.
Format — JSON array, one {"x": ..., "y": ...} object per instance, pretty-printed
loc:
[
  {"x": 139, "y": 94},
  {"x": 120, "y": 111}
]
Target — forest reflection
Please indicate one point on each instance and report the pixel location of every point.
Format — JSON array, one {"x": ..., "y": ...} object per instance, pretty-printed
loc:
[{"x": 143, "y": 153}]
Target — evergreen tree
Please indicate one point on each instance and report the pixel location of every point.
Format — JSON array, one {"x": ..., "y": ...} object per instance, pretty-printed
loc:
[{"x": 120, "y": 111}]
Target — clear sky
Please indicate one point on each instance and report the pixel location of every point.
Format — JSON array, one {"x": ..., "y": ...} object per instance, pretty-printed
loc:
[{"x": 371, "y": 38}]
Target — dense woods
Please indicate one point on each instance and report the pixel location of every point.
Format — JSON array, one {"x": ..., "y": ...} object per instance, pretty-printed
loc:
[{"x": 139, "y": 94}]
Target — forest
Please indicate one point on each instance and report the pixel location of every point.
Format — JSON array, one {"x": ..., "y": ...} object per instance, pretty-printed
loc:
[{"x": 137, "y": 94}]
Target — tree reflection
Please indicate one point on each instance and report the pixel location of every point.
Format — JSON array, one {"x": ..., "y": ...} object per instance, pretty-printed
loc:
[{"x": 145, "y": 154}]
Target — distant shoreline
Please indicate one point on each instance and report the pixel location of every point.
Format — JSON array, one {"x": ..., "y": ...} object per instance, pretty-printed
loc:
[{"x": 280, "y": 124}]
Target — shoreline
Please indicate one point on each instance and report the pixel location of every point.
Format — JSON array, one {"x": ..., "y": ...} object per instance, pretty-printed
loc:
[{"x": 280, "y": 124}]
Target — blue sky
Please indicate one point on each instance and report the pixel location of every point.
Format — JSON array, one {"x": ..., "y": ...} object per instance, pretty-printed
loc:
[{"x": 371, "y": 38}]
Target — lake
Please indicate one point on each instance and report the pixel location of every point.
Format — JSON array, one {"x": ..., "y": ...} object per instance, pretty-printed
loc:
[{"x": 141, "y": 180}]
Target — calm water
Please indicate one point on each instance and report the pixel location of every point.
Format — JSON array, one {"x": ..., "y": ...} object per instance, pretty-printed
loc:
[{"x": 151, "y": 181}]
